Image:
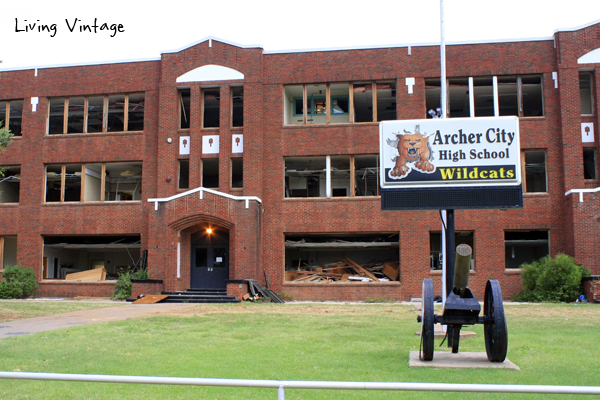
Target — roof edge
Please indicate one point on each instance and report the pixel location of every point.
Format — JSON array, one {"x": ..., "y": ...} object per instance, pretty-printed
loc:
[
  {"x": 80, "y": 64},
  {"x": 578, "y": 27},
  {"x": 216, "y": 39}
]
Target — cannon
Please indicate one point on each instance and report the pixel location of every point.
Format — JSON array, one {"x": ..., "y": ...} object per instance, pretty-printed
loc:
[{"x": 462, "y": 308}]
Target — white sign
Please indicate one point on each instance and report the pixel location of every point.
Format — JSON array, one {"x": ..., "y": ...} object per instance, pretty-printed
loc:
[
  {"x": 587, "y": 132},
  {"x": 210, "y": 144},
  {"x": 184, "y": 145},
  {"x": 237, "y": 143},
  {"x": 450, "y": 152}
]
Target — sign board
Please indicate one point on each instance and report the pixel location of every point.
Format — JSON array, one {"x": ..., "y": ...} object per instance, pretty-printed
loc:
[{"x": 451, "y": 152}]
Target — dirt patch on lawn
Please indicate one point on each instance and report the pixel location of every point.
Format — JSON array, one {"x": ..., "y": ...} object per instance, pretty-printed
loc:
[{"x": 305, "y": 309}]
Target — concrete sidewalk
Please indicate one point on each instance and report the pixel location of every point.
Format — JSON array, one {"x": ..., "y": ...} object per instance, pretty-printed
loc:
[{"x": 84, "y": 317}]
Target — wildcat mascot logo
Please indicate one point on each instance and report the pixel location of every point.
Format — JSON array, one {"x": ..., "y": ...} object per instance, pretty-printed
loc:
[{"x": 414, "y": 151}]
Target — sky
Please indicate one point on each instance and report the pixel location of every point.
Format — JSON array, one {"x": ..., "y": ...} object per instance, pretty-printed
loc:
[{"x": 144, "y": 29}]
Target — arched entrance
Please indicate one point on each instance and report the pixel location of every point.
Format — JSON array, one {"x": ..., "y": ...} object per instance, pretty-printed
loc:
[{"x": 209, "y": 256}]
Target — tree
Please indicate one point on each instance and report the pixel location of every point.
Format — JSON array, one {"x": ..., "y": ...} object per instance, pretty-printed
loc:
[{"x": 5, "y": 140}]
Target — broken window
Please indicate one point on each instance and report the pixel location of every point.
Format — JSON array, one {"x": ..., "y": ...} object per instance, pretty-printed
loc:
[
  {"x": 135, "y": 116},
  {"x": 535, "y": 171},
  {"x": 237, "y": 107},
  {"x": 435, "y": 247},
  {"x": 508, "y": 95},
  {"x": 211, "y": 114},
  {"x": 64, "y": 255},
  {"x": 366, "y": 175},
  {"x": 93, "y": 182},
  {"x": 386, "y": 101},
  {"x": 483, "y": 91},
  {"x": 76, "y": 114},
  {"x": 184, "y": 174},
  {"x": 184, "y": 109},
  {"x": 589, "y": 163},
  {"x": 210, "y": 173},
  {"x": 10, "y": 184},
  {"x": 123, "y": 181},
  {"x": 8, "y": 251},
  {"x": 305, "y": 176},
  {"x": 586, "y": 93},
  {"x": 525, "y": 247},
  {"x": 332, "y": 104},
  {"x": 63, "y": 183},
  {"x": 363, "y": 102},
  {"x": 332, "y": 176},
  {"x": 458, "y": 98},
  {"x": 531, "y": 96},
  {"x": 11, "y": 116},
  {"x": 516, "y": 95},
  {"x": 237, "y": 172},
  {"x": 342, "y": 257},
  {"x": 96, "y": 114}
]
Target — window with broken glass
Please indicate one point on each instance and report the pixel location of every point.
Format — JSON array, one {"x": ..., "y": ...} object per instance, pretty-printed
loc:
[
  {"x": 10, "y": 184},
  {"x": 535, "y": 171},
  {"x": 586, "y": 93},
  {"x": 11, "y": 115},
  {"x": 337, "y": 103},
  {"x": 93, "y": 182},
  {"x": 525, "y": 246},
  {"x": 487, "y": 96},
  {"x": 96, "y": 114},
  {"x": 351, "y": 257},
  {"x": 95, "y": 257},
  {"x": 435, "y": 247},
  {"x": 332, "y": 176}
]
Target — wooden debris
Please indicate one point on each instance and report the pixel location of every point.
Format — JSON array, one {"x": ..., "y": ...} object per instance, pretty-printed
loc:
[
  {"x": 150, "y": 299},
  {"x": 98, "y": 274},
  {"x": 345, "y": 270}
]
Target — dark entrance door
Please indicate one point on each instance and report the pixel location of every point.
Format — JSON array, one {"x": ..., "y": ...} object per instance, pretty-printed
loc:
[{"x": 210, "y": 260}]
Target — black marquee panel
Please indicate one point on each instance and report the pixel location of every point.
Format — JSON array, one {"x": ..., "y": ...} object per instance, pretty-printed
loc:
[{"x": 479, "y": 197}]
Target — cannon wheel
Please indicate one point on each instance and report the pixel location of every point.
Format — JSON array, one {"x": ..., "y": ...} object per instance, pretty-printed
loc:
[
  {"x": 495, "y": 332},
  {"x": 427, "y": 333}
]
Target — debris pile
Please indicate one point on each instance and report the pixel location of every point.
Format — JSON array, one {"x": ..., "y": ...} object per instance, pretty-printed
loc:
[
  {"x": 257, "y": 291},
  {"x": 346, "y": 270}
]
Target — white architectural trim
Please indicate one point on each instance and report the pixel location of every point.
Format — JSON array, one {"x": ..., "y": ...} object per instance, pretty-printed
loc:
[{"x": 201, "y": 190}]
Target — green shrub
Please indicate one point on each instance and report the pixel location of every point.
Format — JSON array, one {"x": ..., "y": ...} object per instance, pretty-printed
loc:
[
  {"x": 17, "y": 282},
  {"x": 551, "y": 280},
  {"x": 141, "y": 274},
  {"x": 123, "y": 286}
]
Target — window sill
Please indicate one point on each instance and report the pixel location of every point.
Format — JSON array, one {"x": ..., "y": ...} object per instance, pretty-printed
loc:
[
  {"x": 64, "y": 135},
  {"x": 330, "y": 124},
  {"x": 536, "y": 194},
  {"x": 91, "y": 203},
  {"x": 319, "y": 199},
  {"x": 513, "y": 271}
]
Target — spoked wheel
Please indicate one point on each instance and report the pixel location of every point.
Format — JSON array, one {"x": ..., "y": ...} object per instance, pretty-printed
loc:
[
  {"x": 495, "y": 332},
  {"x": 427, "y": 333}
]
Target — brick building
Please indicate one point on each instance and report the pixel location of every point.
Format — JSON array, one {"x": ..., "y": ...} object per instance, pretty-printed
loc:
[{"x": 109, "y": 160}]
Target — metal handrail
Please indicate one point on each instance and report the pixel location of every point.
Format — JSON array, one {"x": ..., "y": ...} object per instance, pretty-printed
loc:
[
  {"x": 201, "y": 190},
  {"x": 282, "y": 385},
  {"x": 581, "y": 192}
]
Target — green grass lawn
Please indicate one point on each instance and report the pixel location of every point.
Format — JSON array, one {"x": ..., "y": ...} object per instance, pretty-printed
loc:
[
  {"x": 13, "y": 310},
  {"x": 552, "y": 344}
]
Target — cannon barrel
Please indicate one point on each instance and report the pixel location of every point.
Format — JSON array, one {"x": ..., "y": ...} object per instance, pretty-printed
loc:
[{"x": 462, "y": 266}]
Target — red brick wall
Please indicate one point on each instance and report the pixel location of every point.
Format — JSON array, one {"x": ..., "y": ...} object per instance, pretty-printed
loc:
[{"x": 73, "y": 289}]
